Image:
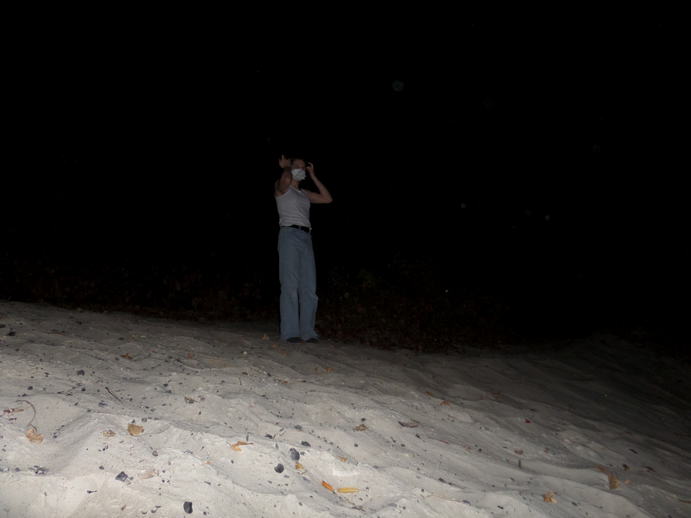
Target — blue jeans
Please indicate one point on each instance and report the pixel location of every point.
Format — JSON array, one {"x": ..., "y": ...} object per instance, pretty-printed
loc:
[{"x": 298, "y": 276}]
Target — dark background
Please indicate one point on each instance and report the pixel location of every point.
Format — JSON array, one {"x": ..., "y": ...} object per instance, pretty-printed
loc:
[{"x": 493, "y": 182}]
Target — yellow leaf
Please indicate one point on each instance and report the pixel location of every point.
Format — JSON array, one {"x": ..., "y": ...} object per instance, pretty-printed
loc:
[
  {"x": 299, "y": 466},
  {"x": 327, "y": 486},
  {"x": 549, "y": 498},
  {"x": 135, "y": 429},
  {"x": 237, "y": 445},
  {"x": 612, "y": 478},
  {"x": 347, "y": 490},
  {"x": 33, "y": 435},
  {"x": 342, "y": 459}
]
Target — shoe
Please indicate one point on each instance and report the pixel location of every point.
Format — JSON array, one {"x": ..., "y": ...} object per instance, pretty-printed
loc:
[
  {"x": 295, "y": 340},
  {"x": 313, "y": 341}
]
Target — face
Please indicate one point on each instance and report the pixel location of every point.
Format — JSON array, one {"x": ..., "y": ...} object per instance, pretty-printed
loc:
[{"x": 298, "y": 163}]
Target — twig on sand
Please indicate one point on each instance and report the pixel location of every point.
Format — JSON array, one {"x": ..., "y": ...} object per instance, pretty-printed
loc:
[
  {"x": 31, "y": 431},
  {"x": 33, "y": 408},
  {"x": 116, "y": 397}
]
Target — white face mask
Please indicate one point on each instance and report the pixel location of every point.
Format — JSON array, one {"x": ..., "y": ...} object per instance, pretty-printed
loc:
[{"x": 299, "y": 174}]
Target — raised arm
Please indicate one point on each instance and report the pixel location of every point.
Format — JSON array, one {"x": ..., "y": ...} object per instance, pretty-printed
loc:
[
  {"x": 283, "y": 183},
  {"x": 323, "y": 196}
]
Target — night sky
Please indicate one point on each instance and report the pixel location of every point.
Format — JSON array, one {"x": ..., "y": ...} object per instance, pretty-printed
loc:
[{"x": 532, "y": 161}]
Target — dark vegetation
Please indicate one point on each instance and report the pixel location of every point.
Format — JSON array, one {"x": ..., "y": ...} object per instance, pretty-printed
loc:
[{"x": 403, "y": 303}]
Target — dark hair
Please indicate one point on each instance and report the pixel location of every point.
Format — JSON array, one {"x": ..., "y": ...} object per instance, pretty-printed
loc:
[{"x": 295, "y": 153}]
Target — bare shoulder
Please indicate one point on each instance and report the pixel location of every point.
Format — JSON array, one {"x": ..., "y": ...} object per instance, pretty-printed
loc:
[{"x": 277, "y": 190}]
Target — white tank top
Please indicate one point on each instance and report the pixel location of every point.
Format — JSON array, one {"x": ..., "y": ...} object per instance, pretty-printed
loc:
[{"x": 293, "y": 208}]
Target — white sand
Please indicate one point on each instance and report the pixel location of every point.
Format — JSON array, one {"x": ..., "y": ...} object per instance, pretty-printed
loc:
[{"x": 600, "y": 427}]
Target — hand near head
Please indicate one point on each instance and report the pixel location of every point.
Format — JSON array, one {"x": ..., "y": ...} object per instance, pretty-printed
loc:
[
  {"x": 283, "y": 162},
  {"x": 310, "y": 168}
]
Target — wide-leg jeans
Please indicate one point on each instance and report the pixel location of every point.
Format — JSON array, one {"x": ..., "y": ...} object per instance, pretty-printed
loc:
[{"x": 298, "y": 276}]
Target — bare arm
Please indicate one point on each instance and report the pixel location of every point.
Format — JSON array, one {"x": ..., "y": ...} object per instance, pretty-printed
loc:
[
  {"x": 283, "y": 183},
  {"x": 323, "y": 196}
]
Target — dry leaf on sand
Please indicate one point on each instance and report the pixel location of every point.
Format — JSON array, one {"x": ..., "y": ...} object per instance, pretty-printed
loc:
[
  {"x": 135, "y": 429},
  {"x": 360, "y": 428},
  {"x": 613, "y": 480},
  {"x": 236, "y": 446},
  {"x": 33, "y": 435},
  {"x": 148, "y": 474},
  {"x": 109, "y": 433},
  {"x": 347, "y": 490},
  {"x": 327, "y": 486},
  {"x": 549, "y": 497}
]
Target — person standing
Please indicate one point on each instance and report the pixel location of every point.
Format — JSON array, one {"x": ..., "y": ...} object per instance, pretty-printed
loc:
[{"x": 297, "y": 268}]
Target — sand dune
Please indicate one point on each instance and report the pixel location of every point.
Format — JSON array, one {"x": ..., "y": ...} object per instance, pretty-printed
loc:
[{"x": 231, "y": 423}]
